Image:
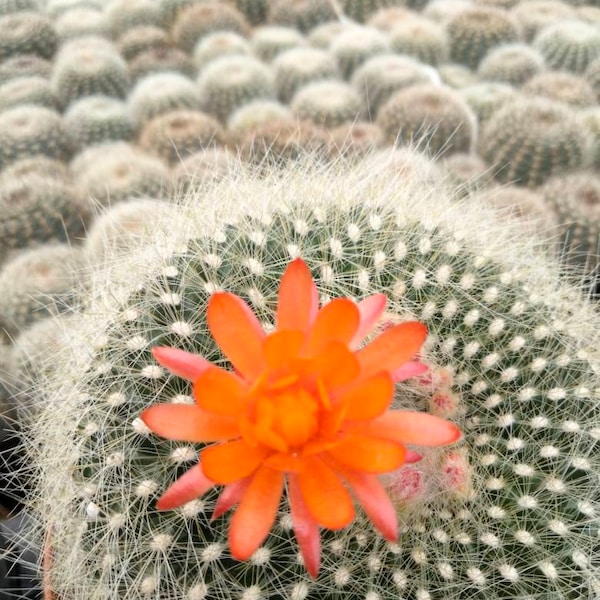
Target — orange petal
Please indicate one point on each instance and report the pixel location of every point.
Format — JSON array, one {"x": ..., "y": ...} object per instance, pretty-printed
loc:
[
  {"x": 226, "y": 463},
  {"x": 230, "y": 496},
  {"x": 185, "y": 423},
  {"x": 281, "y": 348},
  {"x": 189, "y": 486},
  {"x": 370, "y": 309},
  {"x": 221, "y": 392},
  {"x": 298, "y": 300},
  {"x": 179, "y": 362},
  {"x": 237, "y": 332},
  {"x": 325, "y": 496},
  {"x": 375, "y": 501},
  {"x": 368, "y": 454},
  {"x": 336, "y": 366},
  {"x": 256, "y": 513},
  {"x": 368, "y": 398},
  {"x": 336, "y": 321},
  {"x": 305, "y": 528},
  {"x": 394, "y": 347},
  {"x": 408, "y": 427},
  {"x": 285, "y": 462}
]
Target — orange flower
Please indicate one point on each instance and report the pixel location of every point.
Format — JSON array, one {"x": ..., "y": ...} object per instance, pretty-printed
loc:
[{"x": 306, "y": 409}]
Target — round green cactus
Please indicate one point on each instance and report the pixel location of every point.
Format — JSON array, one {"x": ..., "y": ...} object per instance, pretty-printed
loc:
[
  {"x": 81, "y": 22},
  {"x": 433, "y": 117},
  {"x": 27, "y": 32},
  {"x": 28, "y": 130},
  {"x": 511, "y": 512},
  {"x": 535, "y": 15},
  {"x": 55, "y": 8},
  {"x": 35, "y": 165},
  {"x": 592, "y": 74},
  {"x": 268, "y": 41},
  {"x": 562, "y": 87},
  {"x": 8, "y": 7},
  {"x": 362, "y": 10},
  {"x": 255, "y": 114},
  {"x": 142, "y": 38},
  {"x": 220, "y": 43},
  {"x": 528, "y": 140},
  {"x": 354, "y": 45},
  {"x": 300, "y": 14},
  {"x": 232, "y": 81},
  {"x": 96, "y": 120},
  {"x": 421, "y": 38},
  {"x": 569, "y": 45},
  {"x": 255, "y": 11},
  {"x": 512, "y": 63},
  {"x": 161, "y": 60},
  {"x": 27, "y": 90},
  {"x": 89, "y": 66},
  {"x": 474, "y": 31},
  {"x": 24, "y": 65},
  {"x": 487, "y": 97},
  {"x": 174, "y": 135},
  {"x": 124, "y": 15}
]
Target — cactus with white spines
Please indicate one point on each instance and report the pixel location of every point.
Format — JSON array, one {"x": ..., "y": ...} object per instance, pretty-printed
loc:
[{"x": 511, "y": 512}]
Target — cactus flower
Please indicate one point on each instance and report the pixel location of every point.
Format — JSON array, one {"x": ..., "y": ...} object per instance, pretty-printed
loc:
[{"x": 306, "y": 409}]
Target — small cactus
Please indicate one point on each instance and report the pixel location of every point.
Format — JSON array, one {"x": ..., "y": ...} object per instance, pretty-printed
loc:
[
  {"x": 592, "y": 75},
  {"x": 81, "y": 22},
  {"x": 435, "y": 118},
  {"x": 55, "y": 8},
  {"x": 255, "y": 11},
  {"x": 421, "y": 38},
  {"x": 535, "y": 15},
  {"x": 124, "y": 15},
  {"x": 161, "y": 60},
  {"x": 8, "y": 7},
  {"x": 354, "y": 45},
  {"x": 27, "y": 33},
  {"x": 355, "y": 140},
  {"x": 514, "y": 64},
  {"x": 24, "y": 65},
  {"x": 218, "y": 44},
  {"x": 361, "y": 10},
  {"x": 300, "y": 14},
  {"x": 562, "y": 87},
  {"x": 268, "y": 41},
  {"x": 27, "y": 90},
  {"x": 529, "y": 140},
  {"x": 38, "y": 165},
  {"x": 203, "y": 168},
  {"x": 487, "y": 97},
  {"x": 142, "y": 38},
  {"x": 255, "y": 114},
  {"x": 590, "y": 120}
]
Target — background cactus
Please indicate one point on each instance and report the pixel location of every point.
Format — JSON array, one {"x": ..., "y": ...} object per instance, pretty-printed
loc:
[
  {"x": 27, "y": 33},
  {"x": 301, "y": 14},
  {"x": 124, "y": 15},
  {"x": 24, "y": 65},
  {"x": 535, "y": 15},
  {"x": 422, "y": 39},
  {"x": 354, "y": 45},
  {"x": 27, "y": 90},
  {"x": 361, "y": 10},
  {"x": 161, "y": 60},
  {"x": 509, "y": 513},
  {"x": 511, "y": 63},
  {"x": 563, "y": 87},
  {"x": 12, "y": 6},
  {"x": 140, "y": 39},
  {"x": 487, "y": 97},
  {"x": 528, "y": 140},
  {"x": 270, "y": 40},
  {"x": 220, "y": 43},
  {"x": 81, "y": 22}
]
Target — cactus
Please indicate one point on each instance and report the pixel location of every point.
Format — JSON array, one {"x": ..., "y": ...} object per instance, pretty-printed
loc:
[
  {"x": 34, "y": 165},
  {"x": 386, "y": 19},
  {"x": 569, "y": 45},
  {"x": 170, "y": 9},
  {"x": 27, "y": 33},
  {"x": 220, "y": 43},
  {"x": 528, "y": 140},
  {"x": 28, "y": 130},
  {"x": 589, "y": 14},
  {"x": 509, "y": 513},
  {"x": 457, "y": 76},
  {"x": 142, "y": 38},
  {"x": 255, "y": 114},
  {"x": 270, "y": 40},
  {"x": 208, "y": 165},
  {"x": 379, "y": 77},
  {"x": 300, "y": 14},
  {"x": 299, "y": 66},
  {"x": 473, "y": 32},
  {"x": 111, "y": 173},
  {"x": 198, "y": 20},
  {"x": 160, "y": 93},
  {"x": 435, "y": 118},
  {"x": 590, "y": 119},
  {"x": 174, "y": 135},
  {"x": 362, "y": 10},
  {"x": 81, "y": 22},
  {"x": 255, "y": 11},
  {"x": 512, "y": 63},
  {"x": 89, "y": 66},
  {"x": 124, "y": 15},
  {"x": 161, "y": 60},
  {"x": 468, "y": 172},
  {"x": 328, "y": 102},
  {"x": 562, "y": 87},
  {"x": 487, "y": 97},
  {"x": 8, "y": 7},
  {"x": 37, "y": 209},
  {"x": 421, "y": 38},
  {"x": 535, "y": 15},
  {"x": 27, "y": 90},
  {"x": 354, "y": 45},
  {"x": 355, "y": 140},
  {"x": 322, "y": 35},
  {"x": 55, "y": 8},
  {"x": 232, "y": 81},
  {"x": 24, "y": 65},
  {"x": 37, "y": 283},
  {"x": 592, "y": 75},
  {"x": 98, "y": 119},
  {"x": 441, "y": 11}
]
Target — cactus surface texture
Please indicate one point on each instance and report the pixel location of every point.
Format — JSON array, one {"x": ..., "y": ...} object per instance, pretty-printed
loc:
[
  {"x": 27, "y": 33},
  {"x": 354, "y": 45},
  {"x": 301, "y": 14},
  {"x": 510, "y": 512},
  {"x": 27, "y": 90},
  {"x": 81, "y": 22},
  {"x": 563, "y": 87},
  {"x": 421, "y": 38},
  {"x": 161, "y": 60},
  {"x": 487, "y": 97},
  {"x": 124, "y": 15},
  {"x": 24, "y": 65},
  {"x": 140, "y": 39},
  {"x": 269, "y": 41},
  {"x": 535, "y": 15},
  {"x": 511, "y": 63},
  {"x": 218, "y": 44}
]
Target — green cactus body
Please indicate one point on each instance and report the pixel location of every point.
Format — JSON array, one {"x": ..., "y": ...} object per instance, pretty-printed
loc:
[
  {"x": 55, "y": 8},
  {"x": 35, "y": 165},
  {"x": 569, "y": 45},
  {"x": 176, "y": 134},
  {"x": 204, "y": 167},
  {"x": 81, "y": 22},
  {"x": 89, "y": 66},
  {"x": 198, "y": 20},
  {"x": 433, "y": 117},
  {"x": 354, "y": 45},
  {"x": 562, "y": 87},
  {"x": 457, "y": 76},
  {"x": 379, "y": 77},
  {"x": 362, "y": 10},
  {"x": 169, "y": 10},
  {"x": 592, "y": 74},
  {"x": 218, "y": 44},
  {"x": 27, "y": 90},
  {"x": 96, "y": 120},
  {"x": 161, "y": 60},
  {"x": 528, "y": 140},
  {"x": 300, "y": 14},
  {"x": 328, "y": 103},
  {"x": 535, "y": 15},
  {"x": 299, "y": 66},
  {"x": 142, "y": 38},
  {"x": 27, "y": 33},
  {"x": 268, "y": 41},
  {"x": 255, "y": 114},
  {"x": 124, "y": 15},
  {"x": 512, "y": 63},
  {"x": 255, "y": 11},
  {"x": 421, "y": 38},
  {"x": 442, "y": 11},
  {"x": 590, "y": 119},
  {"x": 322, "y": 35},
  {"x": 487, "y": 97},
  {"x": 8, "y": 7},
  {"x": 28, "y": 130},
  {"x": 468, "y": 172},
  {"x": 232, "y": 81},
  {"x": 511, "y": 512},
  {"x": 473, "y": 32},
  {"x": 24, "y": 65},
  {"x": 159, "y": 93},
  {"x": 114, "y": 172},
  {"x": 37, "y": 209},
  {"x": 355, "y": 140}
]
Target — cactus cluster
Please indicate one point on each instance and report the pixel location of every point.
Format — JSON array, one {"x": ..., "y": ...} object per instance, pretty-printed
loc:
[{"x": 510, "y": 512}]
